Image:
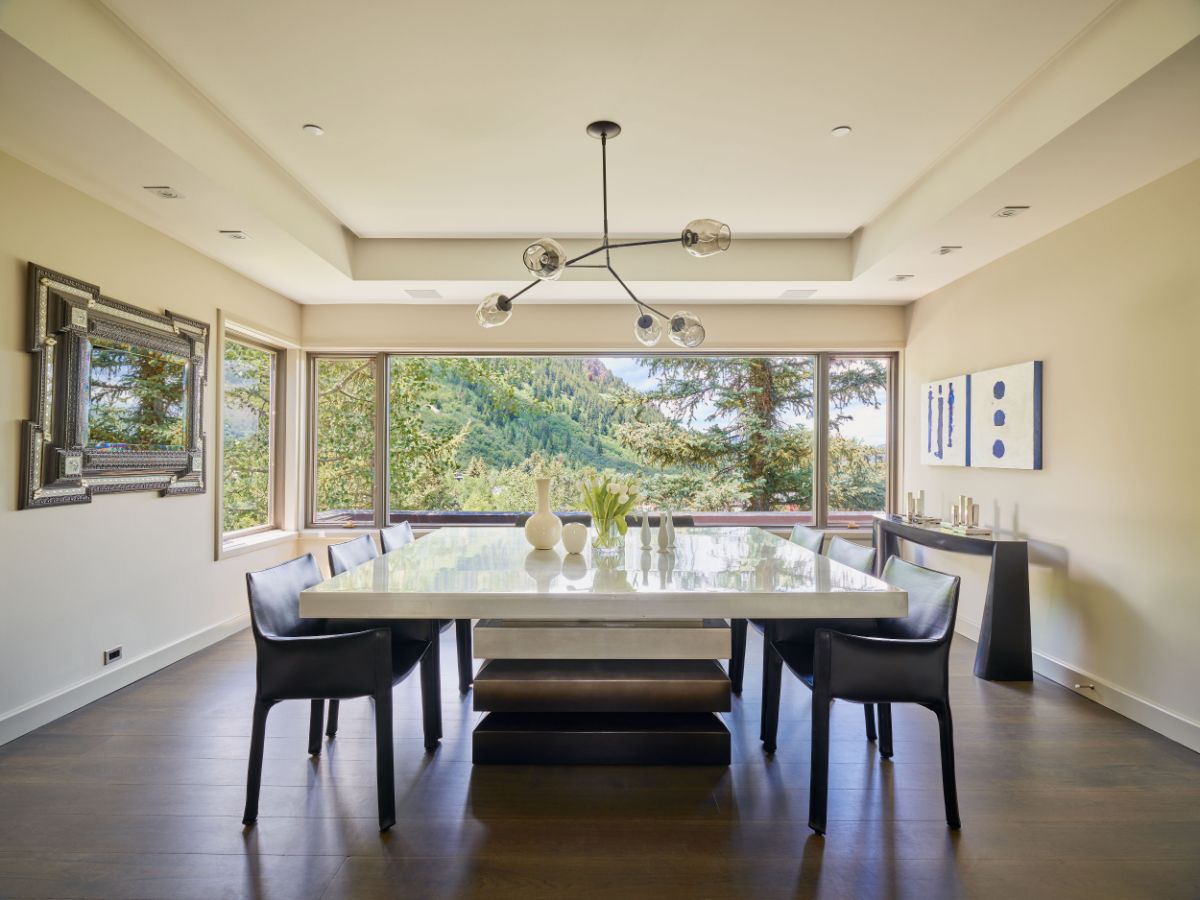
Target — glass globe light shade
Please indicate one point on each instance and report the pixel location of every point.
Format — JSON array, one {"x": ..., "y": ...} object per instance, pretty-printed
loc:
[
  {"x": 545, "y": 259},
  {"x": 705, "y": 237},
  {"x": 647, "y": 330},
  {"x": 494, "y": 310},
  {"x": 686, "y": 330}
]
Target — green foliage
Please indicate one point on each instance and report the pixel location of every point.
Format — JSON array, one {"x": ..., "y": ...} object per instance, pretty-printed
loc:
[
  {"x": 136, "y": 397},
  {"x": 246, "y": 433},
  {"x": 716, "y": 433},
  {"x": 345, "y": 445}
]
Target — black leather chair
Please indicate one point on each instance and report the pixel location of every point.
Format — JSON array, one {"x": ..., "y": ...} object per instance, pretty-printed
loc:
[
  {"x": 808, "y": 538},
  {"x": 856, "y": 556},
  {"x": 905, "y": 661},
  {"x": 848, "y": 553},
  {"x": 355, "y": 552},
  {"x": 297, "y": 660},
  {"x": 397, "y": 536}
]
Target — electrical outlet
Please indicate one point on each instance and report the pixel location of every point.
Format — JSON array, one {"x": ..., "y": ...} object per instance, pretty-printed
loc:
[{"x": 113, "y": 655}]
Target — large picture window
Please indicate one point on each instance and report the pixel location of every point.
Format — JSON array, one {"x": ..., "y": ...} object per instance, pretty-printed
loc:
[
  {"x": 461, "y": 439},
  {"x": 344, "y": 439},
  {"x": 249, "y": 394}
]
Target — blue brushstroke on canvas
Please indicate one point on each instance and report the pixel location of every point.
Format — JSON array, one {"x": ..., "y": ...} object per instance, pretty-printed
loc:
[
  {"x": 929, "y": 422},
  {"x": 998, "y": 449},
  {"x": 941, "y": 403},
  {"x": 998, "y": 390},
  {"x": 998, "y": 418},
  {"x": 950, "y": 425}
]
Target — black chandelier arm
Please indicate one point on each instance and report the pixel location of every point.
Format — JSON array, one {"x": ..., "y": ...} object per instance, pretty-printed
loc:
[
  {"x": 632, "y": 296},
  {"x": 604, "y": 185},
  {"x": 511, "y": 297},
  {"x": 673, "y": 240},
  {"x": 574, "y": 260}
]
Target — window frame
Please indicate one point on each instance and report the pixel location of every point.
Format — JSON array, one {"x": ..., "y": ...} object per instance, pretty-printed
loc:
[
  {"x": 275, "y": 454},
  {"x": 431, "y": 519}
]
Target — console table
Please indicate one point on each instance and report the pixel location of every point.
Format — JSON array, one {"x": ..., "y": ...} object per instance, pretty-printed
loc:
[{"x": 1005, "y": 652}]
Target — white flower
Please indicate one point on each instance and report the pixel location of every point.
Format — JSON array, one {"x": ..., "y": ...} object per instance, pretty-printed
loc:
[{"x": 622, "y": 498}]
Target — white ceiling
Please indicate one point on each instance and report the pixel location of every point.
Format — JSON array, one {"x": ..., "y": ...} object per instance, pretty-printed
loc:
[
  {"x": 467, "y": 119},
  {"x": 454, "y": 130}
]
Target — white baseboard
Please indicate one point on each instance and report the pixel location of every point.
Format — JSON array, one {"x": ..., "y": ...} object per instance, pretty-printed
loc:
[
  {"x": 47, "y": 709},
  {"x": 1169, "y": 724}
]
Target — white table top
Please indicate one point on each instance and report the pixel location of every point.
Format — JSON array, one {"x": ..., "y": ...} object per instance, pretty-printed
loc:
[{"x": 461, "y": 573}]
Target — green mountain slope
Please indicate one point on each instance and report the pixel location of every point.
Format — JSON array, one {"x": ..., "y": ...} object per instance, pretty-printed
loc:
[{"x": 570, "y": 406}]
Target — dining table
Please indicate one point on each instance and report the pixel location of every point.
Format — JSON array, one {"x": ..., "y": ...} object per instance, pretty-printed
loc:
[{"x": 602, "y": 659}]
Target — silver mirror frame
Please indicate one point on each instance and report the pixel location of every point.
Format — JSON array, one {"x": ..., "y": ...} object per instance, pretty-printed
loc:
[{"x": 57, "y": 467}]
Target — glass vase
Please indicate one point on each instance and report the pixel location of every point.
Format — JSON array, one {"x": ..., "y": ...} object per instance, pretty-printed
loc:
[{"x": 607, "y": 539}]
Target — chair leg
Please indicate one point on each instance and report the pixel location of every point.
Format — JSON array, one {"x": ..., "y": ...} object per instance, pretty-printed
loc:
[
  {"x": 772, "y": 689},
  {"x": 885, "y": 730},
  {"x": 818, "y": 793},
  {"x": 737, "y": 657},
  {"x": 331, "y": 728},
  {"x": 949, "y": 788},
  {"x": 385, "y": 775},
  {"x": 258, "y": 735},
  {"x": 315, "y": 720},
  {"x": 431, "y": 694},
  {"x": 767, "y": 687},
  {"x": 466, "y": 665},
  {"x": 869, "y": 715}
]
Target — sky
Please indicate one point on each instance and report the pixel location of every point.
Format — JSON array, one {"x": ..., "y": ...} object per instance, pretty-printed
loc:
[{"x": 866, "y": 424}]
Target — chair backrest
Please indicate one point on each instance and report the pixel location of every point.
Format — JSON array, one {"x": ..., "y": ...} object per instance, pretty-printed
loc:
[
  {"x": 808, "y": 538},
  {"x": 848, "y": 553},
  {"x": 347, "y": 555},
  {"x": 932, "y": 602},
  {"x": 396, "y": 536},
  {"x": 567, "y": 518},
  {"x": 275, "y": 598}
]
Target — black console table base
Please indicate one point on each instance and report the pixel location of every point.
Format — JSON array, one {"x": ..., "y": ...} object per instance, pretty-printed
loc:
[{"x": 1005, "y": 649}]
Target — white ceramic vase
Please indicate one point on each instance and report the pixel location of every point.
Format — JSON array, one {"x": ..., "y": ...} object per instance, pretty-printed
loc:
[
  {"x": 543, "y": 528},
  {"x": 574, "y": 537}
]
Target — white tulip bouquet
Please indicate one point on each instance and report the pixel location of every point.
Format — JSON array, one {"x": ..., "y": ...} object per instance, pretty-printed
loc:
[{"x": 609, "y": 499}]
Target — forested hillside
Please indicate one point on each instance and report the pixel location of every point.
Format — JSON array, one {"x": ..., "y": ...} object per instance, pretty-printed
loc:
[{"x": 567, "y": 406}]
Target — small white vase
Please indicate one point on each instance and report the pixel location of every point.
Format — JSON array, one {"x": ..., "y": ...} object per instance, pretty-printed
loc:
[
  {"x": 543, "y": 528},
  {"x": 574, "y": 537}
]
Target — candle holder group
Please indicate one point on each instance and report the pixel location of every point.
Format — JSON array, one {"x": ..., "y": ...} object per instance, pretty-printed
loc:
[{"x": 963, "y": 519}]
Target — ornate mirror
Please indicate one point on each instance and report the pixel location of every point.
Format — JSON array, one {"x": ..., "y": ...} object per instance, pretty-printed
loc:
[{"x": 118, "y": 396}]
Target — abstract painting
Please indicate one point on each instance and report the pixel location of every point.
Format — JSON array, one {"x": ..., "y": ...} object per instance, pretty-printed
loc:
[
  {"x": 1006, "y": 417},
  {"x": 946, "y": 422}
]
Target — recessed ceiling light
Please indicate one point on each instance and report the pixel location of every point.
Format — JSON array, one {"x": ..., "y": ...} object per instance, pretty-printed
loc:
[
  {"x": 1007, "y": 212},
  {"x": 310, "y": 128},
  {"x": 423, "y": 294},
  {"x": 947, "y": 249},
  {"x": 163, "y": 191},
  {"x": 236, "y": 235},
  {"x": 841, "y": 131},
  {"x": 900, "y": 277},
  {"x": 797, "y": 294}
]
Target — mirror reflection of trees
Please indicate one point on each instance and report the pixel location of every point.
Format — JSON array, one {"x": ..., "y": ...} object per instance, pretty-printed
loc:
[
  {"x": 137, "y": 398},
  {"x": 700, "y": 433}
]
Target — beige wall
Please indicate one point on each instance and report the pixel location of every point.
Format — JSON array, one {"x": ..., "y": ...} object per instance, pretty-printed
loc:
[
  {"x": 129, "y": 569},
  {"x": 549, "y": 328},
  {"x": 1111, "y": 304}
]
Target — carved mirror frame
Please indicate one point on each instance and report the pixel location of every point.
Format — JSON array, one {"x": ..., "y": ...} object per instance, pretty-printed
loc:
[{"x": 58, "y": 468}]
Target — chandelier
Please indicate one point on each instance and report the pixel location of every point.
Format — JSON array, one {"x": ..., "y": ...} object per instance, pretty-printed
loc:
[{"x": 547, "y": 260}]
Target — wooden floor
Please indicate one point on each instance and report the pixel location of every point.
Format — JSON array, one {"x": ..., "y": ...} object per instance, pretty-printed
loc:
[{"x": 140, "y": 795}]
